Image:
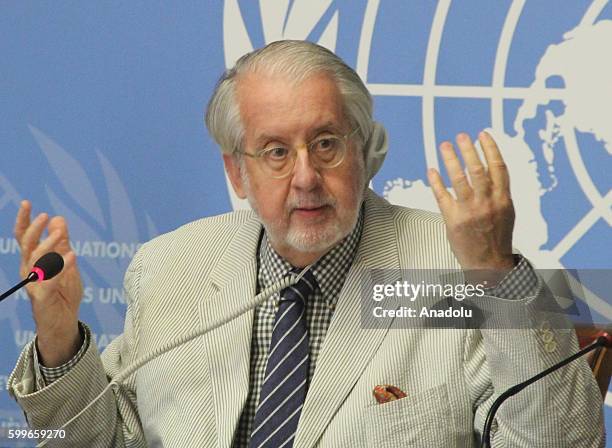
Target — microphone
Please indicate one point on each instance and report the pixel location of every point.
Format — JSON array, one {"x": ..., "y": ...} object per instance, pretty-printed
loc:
[
  {"x": 604, "y": 340},
  {"x": 45, "y": 268}
]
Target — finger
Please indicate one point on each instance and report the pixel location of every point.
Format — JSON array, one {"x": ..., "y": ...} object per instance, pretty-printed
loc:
[
  {"x": 497, "y": 167},
  {"x": 443, "y": 197},
  {"x": 44, "y": 247},
  {"x": 47, "y": 245},
  {"x": 69, "y": 260},
  {"x": 23, "y": 219},
  {"x": 478, "y": 173},
  {"x": 58, "y": 223},
  {"x": 31, "y": 236},
  {"x": 455, "y": 172}
]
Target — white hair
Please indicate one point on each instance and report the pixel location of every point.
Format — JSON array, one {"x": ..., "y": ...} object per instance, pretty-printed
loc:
[{"x": 296, "y": 60}]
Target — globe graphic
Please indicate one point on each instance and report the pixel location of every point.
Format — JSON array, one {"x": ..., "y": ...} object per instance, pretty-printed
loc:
[{"x": 551, "y": 125}]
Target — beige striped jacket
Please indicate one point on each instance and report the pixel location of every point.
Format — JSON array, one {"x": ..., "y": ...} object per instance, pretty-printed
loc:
[{"x": 193, "y": 396}]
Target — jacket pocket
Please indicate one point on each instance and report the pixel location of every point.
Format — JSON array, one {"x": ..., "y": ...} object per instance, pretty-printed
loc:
[{"x": 418, "y": 420}]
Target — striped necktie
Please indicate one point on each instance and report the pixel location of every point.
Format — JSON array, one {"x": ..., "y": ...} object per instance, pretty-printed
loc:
[{"x": 283, "y": 391}]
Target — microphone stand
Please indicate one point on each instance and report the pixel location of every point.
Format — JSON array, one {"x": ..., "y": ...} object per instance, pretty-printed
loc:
[
  {"x": 601, "y": 341},
  {"x": 32, "y": 277}
]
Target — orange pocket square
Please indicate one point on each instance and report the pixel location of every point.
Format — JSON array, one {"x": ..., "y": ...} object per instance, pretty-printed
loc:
[{"x": 385, "y": 393}]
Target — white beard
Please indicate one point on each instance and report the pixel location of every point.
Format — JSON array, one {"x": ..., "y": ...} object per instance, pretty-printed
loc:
[{"x": 314, "y": 240}]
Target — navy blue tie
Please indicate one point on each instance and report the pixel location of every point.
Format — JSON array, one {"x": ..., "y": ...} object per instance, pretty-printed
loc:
[{"x": 283, "y": 391}]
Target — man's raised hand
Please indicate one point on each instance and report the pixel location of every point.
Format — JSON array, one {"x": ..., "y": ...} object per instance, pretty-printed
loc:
[
  {"x": 55, "y": 302},
  {"x": 480, "y": 218}
]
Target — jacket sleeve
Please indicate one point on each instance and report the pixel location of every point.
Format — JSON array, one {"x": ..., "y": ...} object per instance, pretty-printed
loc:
[
  {"x": 519, "y": 340},
  {"x": 113, "y": 420}
]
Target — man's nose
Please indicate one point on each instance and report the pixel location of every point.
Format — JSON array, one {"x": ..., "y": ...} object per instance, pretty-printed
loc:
[{"x": 305, "y": 174}]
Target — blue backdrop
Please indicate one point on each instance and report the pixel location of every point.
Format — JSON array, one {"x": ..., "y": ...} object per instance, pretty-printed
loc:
[{"x": 102, "y": 121}]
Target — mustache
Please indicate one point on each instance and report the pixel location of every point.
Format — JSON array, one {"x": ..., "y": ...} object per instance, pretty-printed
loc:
[{"x": 310, "y": 201}]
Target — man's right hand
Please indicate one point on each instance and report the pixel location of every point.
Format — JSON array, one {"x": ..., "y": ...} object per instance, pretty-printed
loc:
[{"x": 55, "y": 302}]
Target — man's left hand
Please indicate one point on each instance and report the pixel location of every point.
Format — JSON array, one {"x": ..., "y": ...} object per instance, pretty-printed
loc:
[{"x": 480, "y": 219}]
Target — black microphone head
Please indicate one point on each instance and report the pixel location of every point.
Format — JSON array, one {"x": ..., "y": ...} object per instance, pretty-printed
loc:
[
  {"x": 48, "y": 266},
  {"x": 606, "y": 339}
]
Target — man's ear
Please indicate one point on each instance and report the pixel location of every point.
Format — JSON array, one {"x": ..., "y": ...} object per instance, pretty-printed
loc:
[{"x": 232, "y": 169}]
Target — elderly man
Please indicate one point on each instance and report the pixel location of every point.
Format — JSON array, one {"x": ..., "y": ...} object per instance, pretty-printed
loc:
[{"x": 295, "y": 127}]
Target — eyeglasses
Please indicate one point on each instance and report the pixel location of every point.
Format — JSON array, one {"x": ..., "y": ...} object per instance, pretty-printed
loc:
[{"x": 327, "y": 151}]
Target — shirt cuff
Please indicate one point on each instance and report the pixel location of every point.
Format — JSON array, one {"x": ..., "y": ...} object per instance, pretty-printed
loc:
[
  {"x": 45, "y": 376},
  {"x": 519, "y": 283}
]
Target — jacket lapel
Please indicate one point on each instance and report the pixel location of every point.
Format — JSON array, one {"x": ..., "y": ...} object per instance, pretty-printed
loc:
[
  {"x": 349, "y": 345},
  {"x": 231, "y": 282}
]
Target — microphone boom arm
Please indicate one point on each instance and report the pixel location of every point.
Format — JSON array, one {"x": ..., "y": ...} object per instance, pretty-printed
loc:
[{"x": 601, "y": 341}]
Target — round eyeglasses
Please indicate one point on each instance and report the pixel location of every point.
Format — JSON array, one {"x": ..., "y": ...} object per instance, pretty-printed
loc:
[{"x": 326, "y": 151}]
